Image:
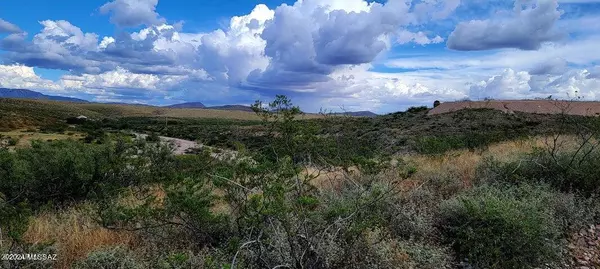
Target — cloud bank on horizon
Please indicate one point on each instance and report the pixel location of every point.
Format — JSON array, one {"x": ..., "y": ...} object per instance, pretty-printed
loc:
[{"x": 364, "y": 55}]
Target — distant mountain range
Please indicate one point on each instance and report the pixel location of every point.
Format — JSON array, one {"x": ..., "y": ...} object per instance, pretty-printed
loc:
[
  {"x": 188, "y": 105},
  {"x": 28, "y": 94},
  {"x": 359, "y": 114},
  {"x": 202, "y": 106},
  {"x": 233, "y": 107}
]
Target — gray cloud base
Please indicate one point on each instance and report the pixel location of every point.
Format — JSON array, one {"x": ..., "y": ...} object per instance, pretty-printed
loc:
[
  {"x": 7, "y": 27},
  {"x": 526, "y": 30}
]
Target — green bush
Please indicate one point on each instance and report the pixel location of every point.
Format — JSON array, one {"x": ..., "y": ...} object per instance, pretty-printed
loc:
[
  {"x": 60, "y": 173},
  {"x": 184, "y": 218},
  {"x": 418, "y": 109},
  {"x": 153, "y": 137},
  {"x": 424, "y": 256},
  {"x": 512, "y": 227},
  {"x": 110, "y": 258},
  {"x": 13, "y": 141},
  {"x": 411, "y": 217},
  {"x": 68, "y": 171},
  {"x": 188, "y": 260}
]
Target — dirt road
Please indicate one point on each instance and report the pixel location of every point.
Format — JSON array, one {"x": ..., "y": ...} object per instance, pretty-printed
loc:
[{"x": 182, "y": 147}]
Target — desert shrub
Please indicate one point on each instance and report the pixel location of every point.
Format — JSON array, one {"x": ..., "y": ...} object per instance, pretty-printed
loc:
[
  {"x": 56, "y": 127},
  {"x": 423, "y": 256},
  {"x": 412, "y": 216},
  {"x": 190, "y": 260},
  {"x": 438, "y": 145},
  {"x": 13, "y": 141},
  {"x": 304, "y": 141},
  {"x": 412, "y": 213},
  {"x": 565, "y": 171},
  {"x": 153, "y": 137},
  {"x": 477, "y": 140},
  {"x": 94, "y": 136},
  {"x": 118, "y": 257},
  {"x": 313, "y": 231},
  {"x": 511, "y": 227},
  {"x": 14, "y": 218},
  {"x": 417, "y": 109},
  {"x": 377, "y": 249},
  {"x": 51, "y": 172},
  {"x": 64, "y": 172},
  {"x": 182, "y": 219}
]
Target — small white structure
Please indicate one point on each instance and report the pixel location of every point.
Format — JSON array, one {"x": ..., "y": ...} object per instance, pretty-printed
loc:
[{"x": 82, "y": 117}]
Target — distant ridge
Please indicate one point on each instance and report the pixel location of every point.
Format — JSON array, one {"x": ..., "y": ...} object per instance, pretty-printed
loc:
[
  {"x": 27, "y": 94},
  {"x": 188, "y": 105},
  {"x": 201, "y": 105},
  {"x": 582, "y": 108},
  {"x": 125, "y": 104},
  {"x": 233, "y": 107},
  {"x": 358, "y": 114}
]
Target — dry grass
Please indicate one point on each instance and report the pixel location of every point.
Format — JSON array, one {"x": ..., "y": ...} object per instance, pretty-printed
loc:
[
  {"x": 460, "y": 163},
  {"x": 463, "y": 163},
  {"x": 74, "y": 233},
  {"x": 25, "y": 137}
]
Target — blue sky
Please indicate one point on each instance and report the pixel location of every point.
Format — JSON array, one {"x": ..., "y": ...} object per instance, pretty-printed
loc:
[{"x": 382, "y": 56}]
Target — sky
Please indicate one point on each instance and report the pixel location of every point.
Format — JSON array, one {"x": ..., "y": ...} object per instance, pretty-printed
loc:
[{"x": 352, "y": 55}]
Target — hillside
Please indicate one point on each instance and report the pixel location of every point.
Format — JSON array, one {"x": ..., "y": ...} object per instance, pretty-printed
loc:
[
  {"x": 580, "y": 108},
  {"x": 23, "y": 113},
  {"x": 27, "y": 94},
  {"x": 358, "y": 114}
]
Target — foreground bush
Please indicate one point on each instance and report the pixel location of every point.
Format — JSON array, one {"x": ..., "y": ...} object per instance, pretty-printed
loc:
[
  {"x": 55, "y": 174},
  {"x": 70, "y": 171},
  {"x": 511, "y": 227}
]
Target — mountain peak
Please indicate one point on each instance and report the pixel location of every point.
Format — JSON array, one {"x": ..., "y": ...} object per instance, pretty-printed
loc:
[
  {"x": 188, "y": 105},
  {"x": 28, "y": 94}
]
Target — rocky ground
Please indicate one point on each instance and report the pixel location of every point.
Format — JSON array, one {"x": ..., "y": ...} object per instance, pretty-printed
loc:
[{"x": 584, "y": 247}]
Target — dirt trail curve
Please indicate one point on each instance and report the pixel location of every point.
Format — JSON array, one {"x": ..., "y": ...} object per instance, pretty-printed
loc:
[{"x": 182, "y": 147}]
